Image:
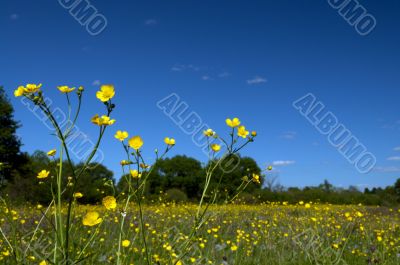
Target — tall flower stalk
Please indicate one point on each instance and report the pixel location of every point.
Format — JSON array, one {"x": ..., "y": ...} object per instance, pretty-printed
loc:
[{"x": 62, "y": 224}]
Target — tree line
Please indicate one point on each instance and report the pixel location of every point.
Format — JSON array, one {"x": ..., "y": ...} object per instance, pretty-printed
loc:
[{"x": 179, "y": 178}]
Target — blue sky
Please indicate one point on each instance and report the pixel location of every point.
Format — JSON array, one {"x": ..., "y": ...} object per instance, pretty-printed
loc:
[{"x": 249, "y": 59}]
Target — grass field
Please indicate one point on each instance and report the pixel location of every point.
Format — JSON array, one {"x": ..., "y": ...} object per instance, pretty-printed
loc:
[{"x": 305, "y": 233}]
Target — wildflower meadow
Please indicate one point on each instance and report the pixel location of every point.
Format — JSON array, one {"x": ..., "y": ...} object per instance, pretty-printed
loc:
[{"x": 127, "y": 228}]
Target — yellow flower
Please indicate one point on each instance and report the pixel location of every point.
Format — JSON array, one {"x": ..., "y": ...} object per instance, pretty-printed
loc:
[
  {"x": 43, "y": 174},
  {"x": 169, "y": 141},
  {"x": 135, "y": 174},
  {"x": 234, "y": 248},
  {"x": 232, "y": 123},
  {"x": 91, "y": 219},
  {"x": 103, "y": 120},
  {"x": 66, "y": 89},
  {"x": 43, "y": 262},
  {"x": 32, "y": 88},
  {"x": 215, "y": 147},
  {"x": 19, "y": 91},
  {"x": 144, "y": 166},
  {"x": 125, "y": 162},
  {"x": 78, "y": 195},
  {"x": 242, "y": 132},
  {"x": 52, "y": 152},
  {"x": 126, "y": 243},
  {"x": 136, "y": 142},
  {"x": 121, "y": 135},
  {"x": 209, "y": 132},
  {"x": 106, "y": 93},
  {"x": 256, "y": 178},
  {"x": 110, "y": 202},
  {"x": 269, "y": 168}
]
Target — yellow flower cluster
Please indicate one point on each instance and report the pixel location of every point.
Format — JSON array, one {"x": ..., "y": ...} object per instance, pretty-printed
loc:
[
  {"x": 28, "y": 89},
  {"x": 106, "y": 93},
  {"x": 43, "y": 174},
  {"x": 169, "y": 141},
  {"x": 136, "y": 142},
  {"x": 91, "y": 219},
  {"x": 103, "y": 120},
  {"x": 110, "y": 202}
]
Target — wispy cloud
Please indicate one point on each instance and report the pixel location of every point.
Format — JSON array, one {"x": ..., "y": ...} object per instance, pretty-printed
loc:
[
  {"x": 256, "y": 80},
  {"x": 150, "y": 22},
  {"x": 289, "y": 135},
  {"x": 14, "y": 16},
  {"x": 283, "y": 163},
  {"x": 387, "y": 169},
  {"x": 396, "y": 148},
  {"x": 224, "y": 74},
  {"x": 394, "y": 158},
  {"x": 96, "y": 83},
  {"x": 205, "y": 77},
  {"x": 183, "y": 67}
]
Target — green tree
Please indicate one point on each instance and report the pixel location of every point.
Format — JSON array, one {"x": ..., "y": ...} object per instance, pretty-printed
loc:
[
  {"x": 11, "y": 158},
  {"x": 179, "y": 172},
  {"x": 397, "y": 187},
  {"x": 25, "y": 186},
  {"x": 95, "y": 183},
  {"x": 228, "y": 177}
]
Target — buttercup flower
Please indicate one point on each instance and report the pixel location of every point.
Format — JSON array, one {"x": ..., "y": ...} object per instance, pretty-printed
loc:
[
  {"x": 232, "y": 123},
  {"x": 126, "y": 243},
  {"x": 215, "y": 147},
  {"x": 121, "y": 135},
  {"x": 43, "y": 262},
  {"x": 52, "y": 152},
  {"x": 43, "y": 174},
  {"x": 269, "y": 168},
  {"x": 135, "y": 174},
  {"x": 106, "y": 93},
  {"x": 66, "y": 89},
  {"x": 256, "y": 178},
  {"x": 32, "y": 88},
  {"x": 110, "y": 202},
  {"x": 135, "y": 142},
  {"x": 209, "y": 132},
  {"x": 78, "y": 195},
  {"x": 103, "y": 120},
  {"x": 169, "y": 141},
  {"x": 242, "y": 132},
  {"x": 19, "y": 91},
  {"x": 125, "y": 162},
  {"x": 253, "y": 133},
  {"x": 92, "y": 219},
  {"x": 144, "y": 166}
]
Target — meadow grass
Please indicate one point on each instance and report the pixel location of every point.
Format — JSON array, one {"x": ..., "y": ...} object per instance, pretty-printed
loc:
[{"x": 232, "y": 234}]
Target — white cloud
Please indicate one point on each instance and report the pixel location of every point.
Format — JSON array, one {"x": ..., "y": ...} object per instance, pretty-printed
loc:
[
  {"x": 394, "y": 158},
  {"x": 396, "y": 148},
  {"x": 283, "y": 163},
  {"x": 177, "y": 68},
  {"x": 96, "y": 83},
  {"x": 289, "y": 135},
  {"x": 387, "y": 169},
  {"x": 224, "y": 74},
  {"x": 14, "y": 16},
  {"x": 151, "y": 22},
  {"x": 205, "y": 77},
  {"x": 256, "y": 80}
]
